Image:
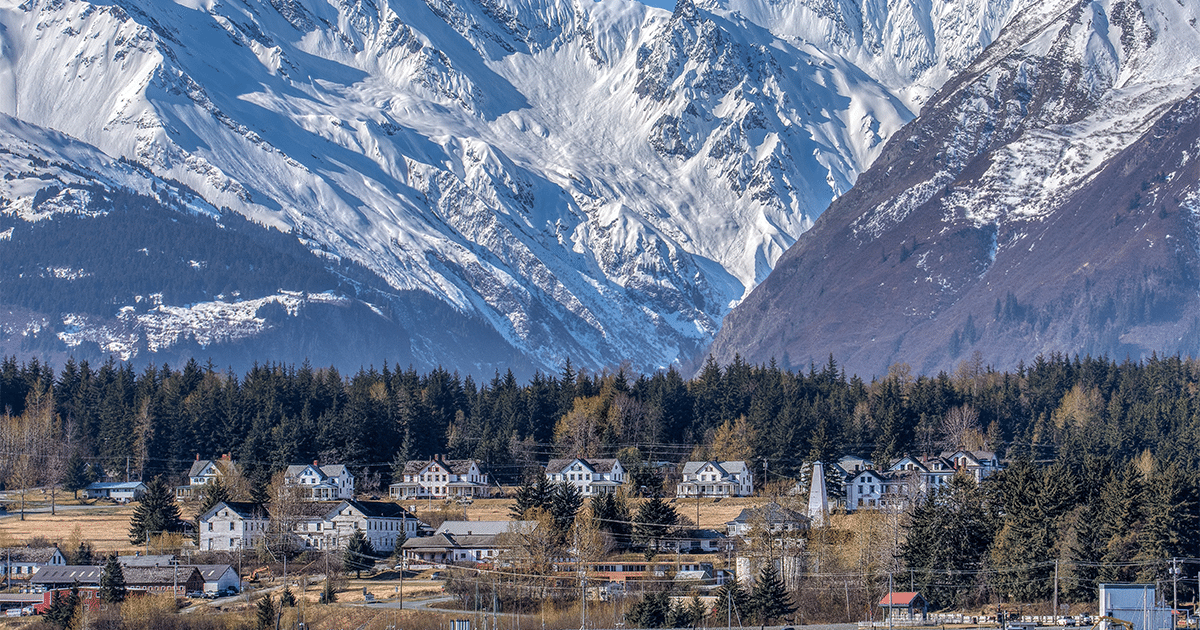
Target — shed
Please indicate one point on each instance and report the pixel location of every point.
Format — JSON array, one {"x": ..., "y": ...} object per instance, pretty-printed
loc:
[
  {"x": 218, "y": 577},
  {"x": 909, "y": 604}
]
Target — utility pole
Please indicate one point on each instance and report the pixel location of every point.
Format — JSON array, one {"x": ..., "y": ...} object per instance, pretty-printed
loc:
[
  {"x": 1056, "y": 591},
  {"x": 891, "y": 600},
  {"x": 1174, "y": 590}
]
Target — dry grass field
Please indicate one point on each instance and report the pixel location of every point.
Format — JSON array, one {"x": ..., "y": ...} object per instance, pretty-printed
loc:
[
  {"x": 107, "y": 527},
  {"x": 714, "y": 513}
]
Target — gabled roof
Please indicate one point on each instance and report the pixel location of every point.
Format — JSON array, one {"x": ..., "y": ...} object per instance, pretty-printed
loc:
[
  {"x": 146, "y": 561},
  {"x": 335, "y": 470},
  {"x": 296, "y": 470},
  {"x": 771, "y": 513},
  {"x": 456, "y": 466},
  {"x": 594, "y": 465},
  {"x": 244, "y": 509},
  {"x": 198, "y": 467},
  {"x": 29, "y": 555},
  {"x": 899, "y": 599},
  {"x": 938, "y": 464},
  {"x": 369, "y": 509},
  {"x": 851, "y": 459},
  {"x": 436, "y": 541},
  {"x": 977, "y": 457},
  {"x": 67, "y": 574},
  {"x": 869, "y": 471},
  {"x": 134, "y": 575},
  {"x": 920, "y": 467},
  {"x": 115, "y": 485},
  {"x": 480, "y": 528},
  {"x": 725, "y": 468},
  {"x": 211, "y": 572}
]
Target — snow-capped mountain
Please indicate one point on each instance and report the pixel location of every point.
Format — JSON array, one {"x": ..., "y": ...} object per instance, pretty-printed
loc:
[
  {"x": 593, "y": 180},
  {"x": 1045, "y": 200}
]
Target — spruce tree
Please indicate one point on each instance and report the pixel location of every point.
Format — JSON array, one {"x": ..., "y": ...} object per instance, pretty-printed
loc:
[
  {"x": 359, "y": 555},
  {"x": 565, "y": 502},
  {"x": 156, "y": 513},
  {"x": 264, "y": 616},
  {"x": 535, "y": 492},
  {"x": 77, "y": 475},
  {"x": 328, "y": 593},
  {"x": 649, "y": 612},
  {"x": 654, "y": 520},
  {"x": 733, "y": 603},
  {"x": 62, "y": 609},
  {"x": 770, "y": 598},
  {"x": 678, "y": 616},
  {"x": 112, "y": 582},
  {"x": 696, "y": 611},
  {"x": 612, "y": 515},
  {"x": 83, "y": 555},
  {"x": 287, "y": 599}
]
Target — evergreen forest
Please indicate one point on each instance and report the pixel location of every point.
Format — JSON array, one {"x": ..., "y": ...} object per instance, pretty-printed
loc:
[{"x": 1101, "y": 478}]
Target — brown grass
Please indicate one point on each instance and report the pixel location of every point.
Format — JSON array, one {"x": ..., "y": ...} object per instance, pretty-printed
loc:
[
  {"x": 713, "y": 513},
  {"x": 107, "y": 528}
]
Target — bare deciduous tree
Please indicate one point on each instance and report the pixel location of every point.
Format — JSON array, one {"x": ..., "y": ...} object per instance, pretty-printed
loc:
[{"x": 962, "y": 430}]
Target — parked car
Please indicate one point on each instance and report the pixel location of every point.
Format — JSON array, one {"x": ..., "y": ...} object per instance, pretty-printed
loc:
[
  {"x": 196, "y": 594},
  {"x": 1066, "y": 621}
]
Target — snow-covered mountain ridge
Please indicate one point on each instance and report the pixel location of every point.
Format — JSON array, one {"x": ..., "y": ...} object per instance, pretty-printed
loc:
[
  {"x": 1044, "y": 201},
  {"x": 594, "y": 180}
]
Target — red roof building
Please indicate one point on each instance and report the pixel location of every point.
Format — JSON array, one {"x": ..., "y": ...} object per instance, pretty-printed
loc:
[{"x": 910, "y": 605}]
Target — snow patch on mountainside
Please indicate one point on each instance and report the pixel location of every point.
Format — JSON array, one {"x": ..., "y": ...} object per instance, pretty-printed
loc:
[
  {"x": 596, "y": 180},
  {"x": 164, "y": 326}
]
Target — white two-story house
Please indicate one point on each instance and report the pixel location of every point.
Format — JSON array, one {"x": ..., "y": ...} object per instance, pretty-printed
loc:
[
  {"x": 592, "y": 476},
  {"x": 441, "y": 478},
  {"x": 384, "y": 524},
  {"x": 330, "y": 482},
  {"x": 236, "y": 525},
  {"x": 202, "y": 473},
  {"x": 911, "y": 477},
  {"x": 232, "y": 525},
  {"x": 716, "y": 479}
]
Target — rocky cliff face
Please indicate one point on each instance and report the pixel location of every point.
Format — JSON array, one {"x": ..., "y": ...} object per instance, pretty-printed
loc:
[
  {"x": 593, "y": 180},
  {"x": 1043, "y": 201}
]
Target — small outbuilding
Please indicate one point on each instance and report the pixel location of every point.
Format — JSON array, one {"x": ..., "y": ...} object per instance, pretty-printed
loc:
[
  {"x": 121, "y": 491},
  {"x": 908, "y": 605}
]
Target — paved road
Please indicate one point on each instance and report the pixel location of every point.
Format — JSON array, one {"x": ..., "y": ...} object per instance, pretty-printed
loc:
[{"x": 409, "y": 603}]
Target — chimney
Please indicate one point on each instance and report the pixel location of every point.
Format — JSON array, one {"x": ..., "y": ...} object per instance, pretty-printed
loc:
[
  {"x": 225, "y": 456},
  {"x": 316, "y": 462},
  {"x": 197, "y": 456}
]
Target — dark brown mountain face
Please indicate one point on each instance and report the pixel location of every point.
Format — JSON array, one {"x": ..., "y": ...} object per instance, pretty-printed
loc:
[{"x": 1046, "y": 200}]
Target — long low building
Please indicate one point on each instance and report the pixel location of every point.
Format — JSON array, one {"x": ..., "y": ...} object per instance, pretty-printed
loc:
[
  {"x": 181, "y": 579},
  {"x": 466, "y": 541}
]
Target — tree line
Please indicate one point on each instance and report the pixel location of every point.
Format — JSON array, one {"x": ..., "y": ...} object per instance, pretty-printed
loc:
[{"x": 156, "y": 419}]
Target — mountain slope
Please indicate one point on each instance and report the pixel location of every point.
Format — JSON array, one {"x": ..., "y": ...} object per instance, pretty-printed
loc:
[
  {"x": 102, "y": 258},
  {"x": 593, "y": 180},
  {"x": 1043, "y": 201}
]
